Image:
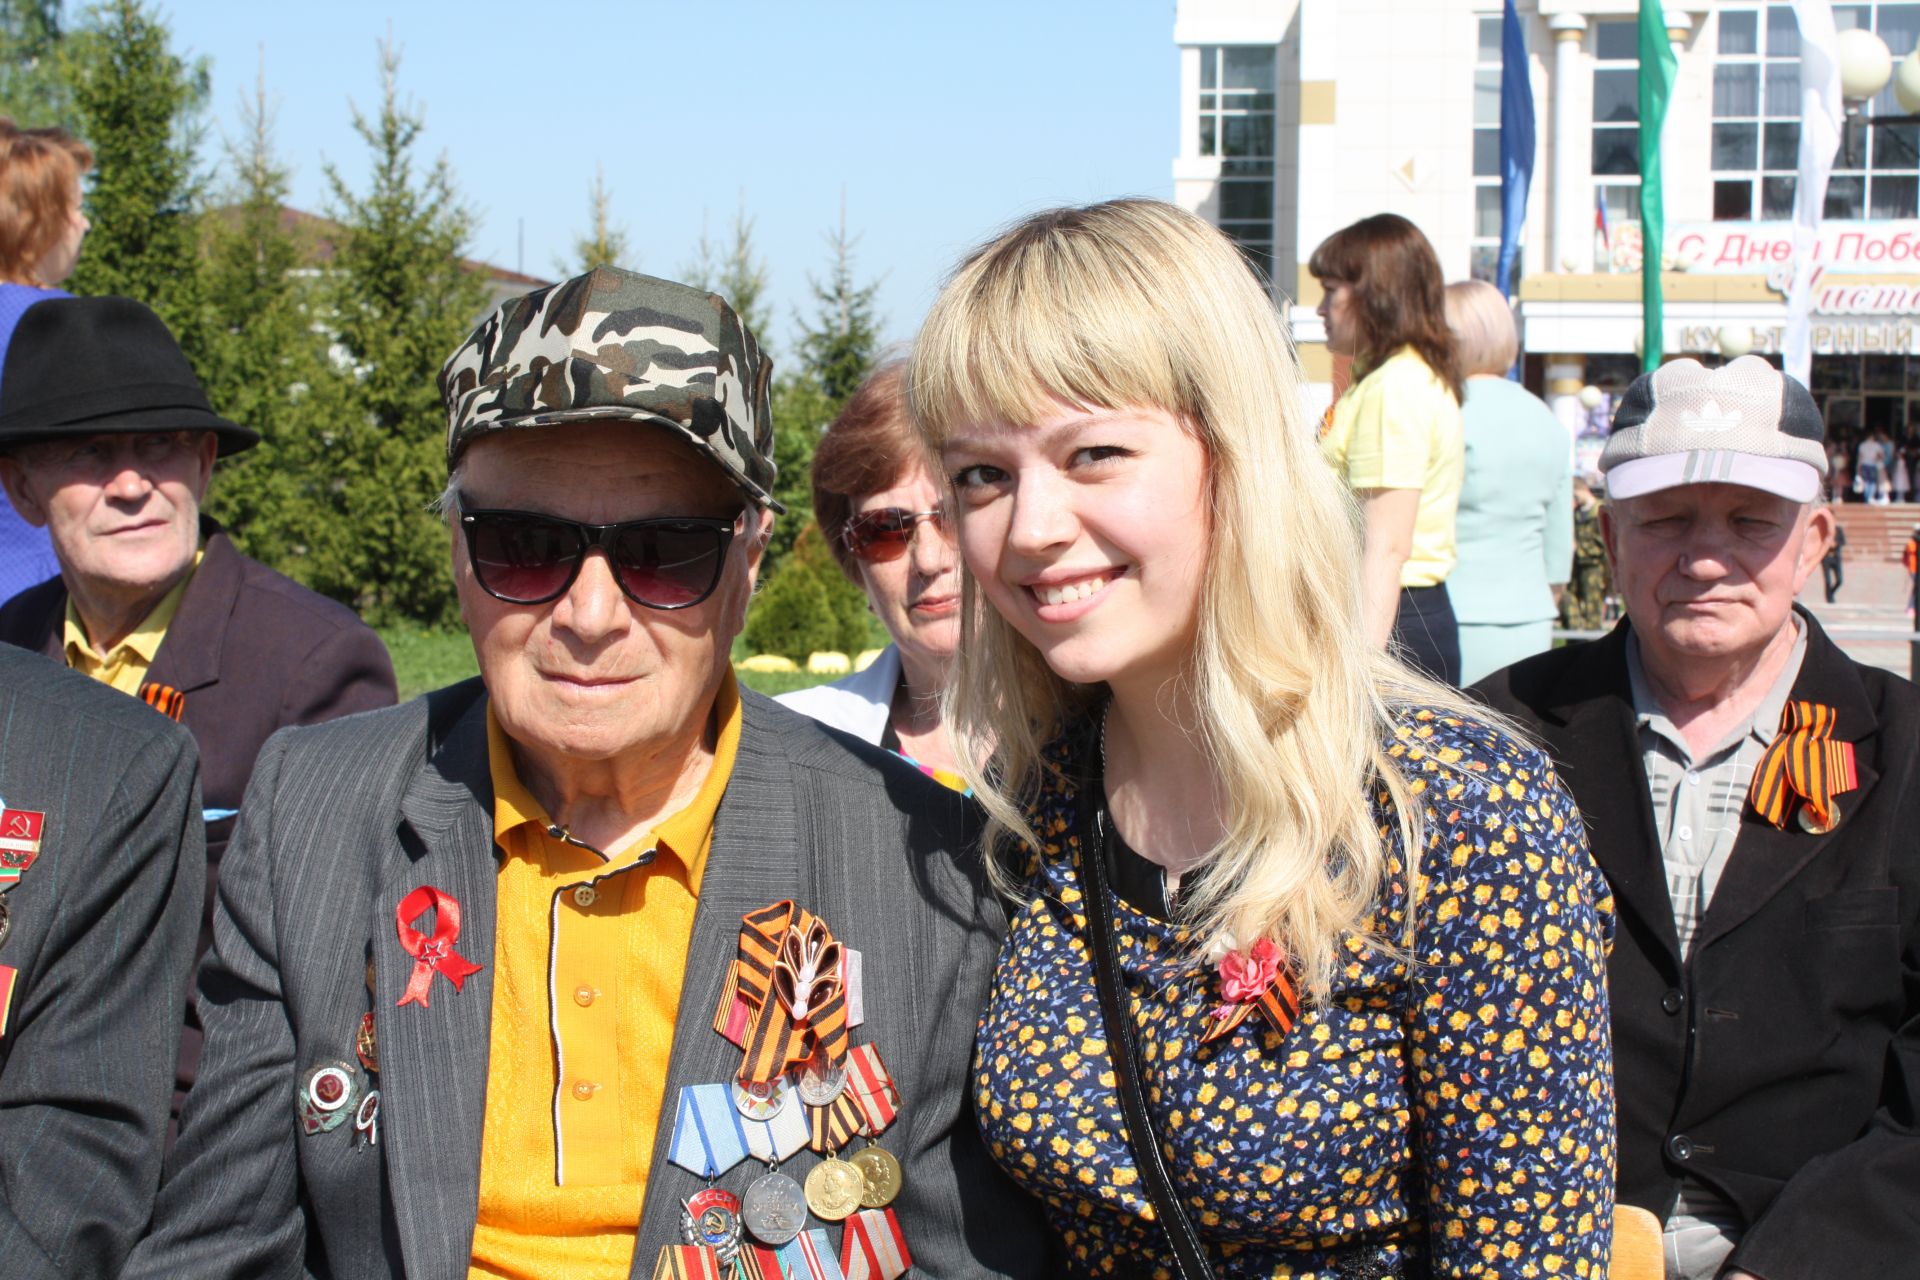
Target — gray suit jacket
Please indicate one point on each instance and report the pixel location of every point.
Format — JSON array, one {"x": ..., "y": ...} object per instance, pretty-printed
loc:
[
  {"x": 102, "y": 931},
  {"x": 343, "y": 819}
]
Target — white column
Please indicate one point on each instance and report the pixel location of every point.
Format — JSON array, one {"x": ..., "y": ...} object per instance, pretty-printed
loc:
[
  {"x": 1566, "y": 377},
  {"x": 1572, "y": 194}
]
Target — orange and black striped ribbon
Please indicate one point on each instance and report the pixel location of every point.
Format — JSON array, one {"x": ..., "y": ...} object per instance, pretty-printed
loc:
[
  {"x": 165, "y": 699},
  {"x": 1803, "y": 765},
  {"x": 774, "y": 1040},
  {"x": 688, "y": 1262},
  {"x": 1279, "y": 1004},
  {"x": 833, "y": 1126}
]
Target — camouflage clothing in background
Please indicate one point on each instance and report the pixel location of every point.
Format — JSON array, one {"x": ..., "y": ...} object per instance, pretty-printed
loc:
[
  {"x": 1583, "y": 606},
  {"x": 617, "y": 344}
]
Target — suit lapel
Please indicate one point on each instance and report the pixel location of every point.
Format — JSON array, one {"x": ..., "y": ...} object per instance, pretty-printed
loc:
[
  {"x": 189, "y": 656},
  {"x": 434, "y": 1060},
  {"x": 1766, "y": 857},
  {"x": 755, "y": 860},
  {"x": 1597, "y": 742}
]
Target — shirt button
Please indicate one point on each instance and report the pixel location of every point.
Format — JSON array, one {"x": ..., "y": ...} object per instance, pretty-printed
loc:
[
  {"x": 1693, "y": 779},
  {"x": 583, "y": 996},
  {"x": 585, "y": 896},
  {"x": 1674, "y": 1000},
  {"x": 585, "y": 1089},
  {"x": 1680, "y": 1147},
  {"x": 1685, "y": 833}
]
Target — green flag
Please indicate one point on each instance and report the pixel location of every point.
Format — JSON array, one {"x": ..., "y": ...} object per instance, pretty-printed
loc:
[{"x": 1656, "y": 89}]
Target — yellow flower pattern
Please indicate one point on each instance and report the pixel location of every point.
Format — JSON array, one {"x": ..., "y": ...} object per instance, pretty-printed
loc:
[{"x": 1454, "y": 1118}]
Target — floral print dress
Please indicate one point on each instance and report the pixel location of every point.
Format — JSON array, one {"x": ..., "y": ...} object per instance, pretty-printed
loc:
[{"x": 1452, "y": 1118}]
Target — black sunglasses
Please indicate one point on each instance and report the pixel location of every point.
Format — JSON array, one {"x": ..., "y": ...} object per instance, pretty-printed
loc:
[
  {"x": 884, "y": 534},
  {"x": 524, "y": 557}
]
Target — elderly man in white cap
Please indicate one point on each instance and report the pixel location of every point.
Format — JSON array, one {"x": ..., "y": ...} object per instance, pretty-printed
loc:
[{"x": 1751, "y": 793}]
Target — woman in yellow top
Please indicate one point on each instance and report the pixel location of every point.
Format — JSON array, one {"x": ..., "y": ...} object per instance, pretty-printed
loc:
[{"x": 1395, "y": 436}]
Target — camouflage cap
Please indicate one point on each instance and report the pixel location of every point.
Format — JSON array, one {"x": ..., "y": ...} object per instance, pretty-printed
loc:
[{"x": 617, "y": 344}]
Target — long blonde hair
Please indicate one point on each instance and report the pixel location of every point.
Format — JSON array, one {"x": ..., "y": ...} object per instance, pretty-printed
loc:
[{"x": 1137, "y": 303}]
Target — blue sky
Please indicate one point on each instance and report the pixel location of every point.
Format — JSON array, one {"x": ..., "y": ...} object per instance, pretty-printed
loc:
[{"x": 939, "y": 120}]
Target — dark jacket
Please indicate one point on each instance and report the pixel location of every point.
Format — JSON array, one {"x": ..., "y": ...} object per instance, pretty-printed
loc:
[
  {"x": 251, "y": 651},
  {"x": 346, "y": 819},
  {"x": 1780, "y": 1063},
  {"x": 100, "y": 936}
]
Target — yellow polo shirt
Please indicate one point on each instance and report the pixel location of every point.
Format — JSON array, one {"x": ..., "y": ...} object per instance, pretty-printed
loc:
[
  {"x": 124, "y": 667},
  {"x": 576, "y": 1082},
  {"x": 1399, "y": 428}
]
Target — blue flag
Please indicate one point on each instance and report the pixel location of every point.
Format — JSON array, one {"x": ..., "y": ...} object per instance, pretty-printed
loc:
[{"x": 1516, "y": 143}]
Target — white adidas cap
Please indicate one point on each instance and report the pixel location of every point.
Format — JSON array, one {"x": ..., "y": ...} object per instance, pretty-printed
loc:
[{"x": 1744, "y": 423}]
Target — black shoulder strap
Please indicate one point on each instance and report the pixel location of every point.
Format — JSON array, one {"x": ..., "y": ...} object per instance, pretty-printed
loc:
[{"x": 1190, "y": 1259}]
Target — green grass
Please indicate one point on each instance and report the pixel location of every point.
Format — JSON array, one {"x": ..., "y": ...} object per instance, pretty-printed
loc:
[{"x": 425, "y": 660}]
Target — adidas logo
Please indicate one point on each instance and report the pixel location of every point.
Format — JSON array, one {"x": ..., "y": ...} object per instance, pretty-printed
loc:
[{"x": 1710, "y": 418}]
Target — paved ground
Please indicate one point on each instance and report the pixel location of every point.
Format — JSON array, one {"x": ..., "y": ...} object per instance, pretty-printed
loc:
[{"x": 1870, "y": 613}]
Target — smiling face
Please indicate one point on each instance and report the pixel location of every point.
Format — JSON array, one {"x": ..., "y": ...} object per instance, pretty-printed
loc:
[
  {"x": 122, "y": 511},
  {"x": 917, "y": 594},
  {"x": 1088, "y": 531},
  {"x": 1709, "y": 571},
  {"x": 593, "y": 676}
]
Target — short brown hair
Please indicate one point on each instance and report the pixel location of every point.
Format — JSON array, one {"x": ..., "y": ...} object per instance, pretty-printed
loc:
[
  {"x": 1397, "y": 283},
  {"x": 1484, "y": 339},
  {"x": 38, "y": 171},
  {"x": 869, "y": 447}
]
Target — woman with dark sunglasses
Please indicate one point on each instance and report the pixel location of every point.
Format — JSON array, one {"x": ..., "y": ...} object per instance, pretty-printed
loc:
[
  {"x": 1305, "y": 971},
  {"x": 880, "y": 512}
]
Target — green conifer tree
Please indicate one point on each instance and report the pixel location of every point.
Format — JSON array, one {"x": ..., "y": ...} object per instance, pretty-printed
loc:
[
  {"x": 605, "y": 244},
  {"x": 838, "y": 347},
  {"x": 401, "y": 299},
  {"x": 33, "y": 90},
  {"x": 136, "y": 103}
]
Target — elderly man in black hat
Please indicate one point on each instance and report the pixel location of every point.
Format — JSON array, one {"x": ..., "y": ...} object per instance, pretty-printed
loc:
[
  {"x": 107, "y": 440},
  {"x": 1752, "y": 794}
]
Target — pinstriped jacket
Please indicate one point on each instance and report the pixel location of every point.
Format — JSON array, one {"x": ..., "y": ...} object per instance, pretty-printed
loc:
[
  {"x": 101, "y": 932},
  {"x": 344, "y": 819}
]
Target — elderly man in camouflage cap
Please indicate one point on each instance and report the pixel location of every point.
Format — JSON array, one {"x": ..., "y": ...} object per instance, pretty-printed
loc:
[{"x": 596, "y": 965}]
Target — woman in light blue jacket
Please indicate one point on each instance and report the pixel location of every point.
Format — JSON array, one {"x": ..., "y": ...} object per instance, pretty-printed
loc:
[{"x": 1514, "y": 530}]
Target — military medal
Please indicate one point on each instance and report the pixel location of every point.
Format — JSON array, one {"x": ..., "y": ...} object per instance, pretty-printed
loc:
[
  {"x": 711, "y": 1218},
  {"x": 709, "y": 1136},
  {"x": 761, "y": 1101},
  {"x": 833, "y": 1189},
  {"x": 872, "y": 1248},
  {"x": 366, "y": 1118},
  {"x": 7, "y": 975},
  {"x": 774, "y": 1208},
  {"x": 20, "y": 833},
  {"x": 821, "y": 1080},
  {"x": 831, "y": 1127},
  {"x": 780, "y": 1138},
  {"x": 880, "y": 1176},
  {"x": 1814, "y": 825},
  {"x": 873, "y": 1090},
  {"x": 326, "y": 1098}
]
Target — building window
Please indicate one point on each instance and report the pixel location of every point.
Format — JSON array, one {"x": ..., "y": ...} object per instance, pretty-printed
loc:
[
  {"x": 1616, "y": 99},
  {"x": 1486, "y": 152},
  {"x": 1756, "y": 121},
  {"x": 1237, "y": 126}
]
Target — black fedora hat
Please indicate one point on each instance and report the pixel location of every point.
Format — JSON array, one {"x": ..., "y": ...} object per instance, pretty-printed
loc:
[{"x": 87, "y": 366}]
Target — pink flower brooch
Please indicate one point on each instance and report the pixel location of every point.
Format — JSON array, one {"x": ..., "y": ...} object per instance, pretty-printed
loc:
[{"x": 1249, "y": 980}]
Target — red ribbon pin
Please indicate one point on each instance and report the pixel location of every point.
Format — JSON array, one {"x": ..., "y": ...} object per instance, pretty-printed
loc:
[{"x": 431, "y": 953}]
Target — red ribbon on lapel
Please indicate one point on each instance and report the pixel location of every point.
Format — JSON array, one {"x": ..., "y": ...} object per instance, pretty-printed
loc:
[
  {"x": 165, "y": 699},
  {"x": 1803, "y": 766},
  {"x": 788, "y": 971},
  {"x": 431, "y": 953}
]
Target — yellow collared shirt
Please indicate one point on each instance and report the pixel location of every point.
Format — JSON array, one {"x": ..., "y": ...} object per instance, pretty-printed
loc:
[
  {"x": 576, "y": 1082},
  {"x": 124, "y": 667}
]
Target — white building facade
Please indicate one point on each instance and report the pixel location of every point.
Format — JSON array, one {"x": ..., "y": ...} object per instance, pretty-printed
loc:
[{"x": 1298, "y": 117}]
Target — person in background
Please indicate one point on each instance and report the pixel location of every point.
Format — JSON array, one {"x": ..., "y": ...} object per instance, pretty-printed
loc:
[
  {"x": 1910, "y": 557},
  {"x": 1395, "y": 437},
  {"x": 1583, "y": 605},
  {"x": 879, "y": 510},
  {"x": 1221, "y": 1035},
  {"x": 1751, "y": 793},
  {"x": 108, "y": 442},
  {"x": 1902, "y": 481},
  {"x": 41, "y": 228},
  {"x": 1515, "y": 525},
  {"x": 1832, "y": 565},
  {"x": 102, "y": 849},
  {"x": 1869, "y": 470},
  {"x": 1839, "y": 472}
]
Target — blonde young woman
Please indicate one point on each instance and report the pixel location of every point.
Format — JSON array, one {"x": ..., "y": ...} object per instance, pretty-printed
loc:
[{"x": 1204, "y": 780}]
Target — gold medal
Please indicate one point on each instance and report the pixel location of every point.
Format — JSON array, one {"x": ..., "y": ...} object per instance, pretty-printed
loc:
[
  {"x": 879, "y": 1175},
  {"x": 833, "y": 1189}
]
